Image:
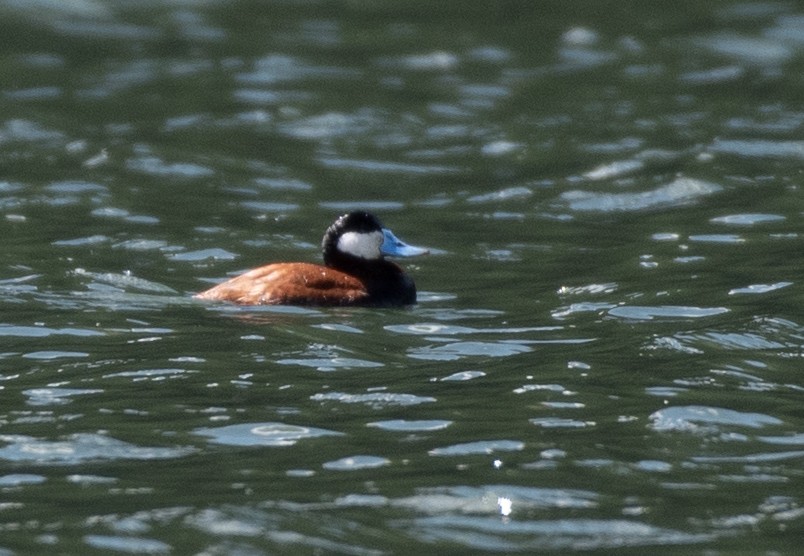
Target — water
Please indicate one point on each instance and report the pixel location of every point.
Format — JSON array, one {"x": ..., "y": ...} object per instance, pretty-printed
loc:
[{"x": 606, "y": 353}]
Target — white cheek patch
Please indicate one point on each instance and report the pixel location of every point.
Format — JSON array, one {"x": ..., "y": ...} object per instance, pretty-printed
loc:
[{"x": 365, "y": 246}]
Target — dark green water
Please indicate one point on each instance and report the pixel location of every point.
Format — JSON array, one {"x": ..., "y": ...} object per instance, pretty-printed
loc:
[{"x": 607, "y": 350}]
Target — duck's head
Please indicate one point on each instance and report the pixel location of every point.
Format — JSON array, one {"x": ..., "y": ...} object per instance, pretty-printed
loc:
[{"x": 361, "y": 235}]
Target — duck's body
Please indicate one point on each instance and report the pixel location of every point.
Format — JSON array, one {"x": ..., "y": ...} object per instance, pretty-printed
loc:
[{"x": 355, "y": 273}]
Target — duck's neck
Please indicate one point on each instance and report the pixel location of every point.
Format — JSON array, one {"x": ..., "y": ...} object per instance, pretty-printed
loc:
[{"x": 385, "y": 281}]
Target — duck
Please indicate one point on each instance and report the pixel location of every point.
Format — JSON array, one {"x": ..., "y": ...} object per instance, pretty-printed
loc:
[{"x": 355, "y": 271}]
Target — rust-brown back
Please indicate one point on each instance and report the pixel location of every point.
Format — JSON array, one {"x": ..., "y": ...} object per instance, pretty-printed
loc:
[{"x": 290, "y": 284}]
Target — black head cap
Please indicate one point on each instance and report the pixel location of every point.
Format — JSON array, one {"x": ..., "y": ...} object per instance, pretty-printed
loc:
[{"x": 358, "y": 221}]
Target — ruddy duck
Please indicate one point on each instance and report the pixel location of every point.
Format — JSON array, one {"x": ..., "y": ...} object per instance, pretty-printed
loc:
[{"x": 355, "y": 273}]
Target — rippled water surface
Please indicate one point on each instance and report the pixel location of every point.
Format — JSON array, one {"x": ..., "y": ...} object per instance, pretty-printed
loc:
[{"x": 607, "y": 349}]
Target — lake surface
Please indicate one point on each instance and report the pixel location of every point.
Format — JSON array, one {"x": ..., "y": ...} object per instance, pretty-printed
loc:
[{"x": 607, "y": 350}]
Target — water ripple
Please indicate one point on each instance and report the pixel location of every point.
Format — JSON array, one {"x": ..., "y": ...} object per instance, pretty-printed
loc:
[
  {"x": 328, "y": 364},
  {"x": 376, "y": 400},
  {"x": 127, "y": 544},
  {"x": 760, "y": 148},
  {"x": 487, "y": 534},
  {"x": 560, "y": 423},
  {"x": 274, "y": 69},
  {"x": 747, "y": 219},
  {"x": 479, "y": 447},
  {"x": 404, "y": 425},
  {"x": 263, "y": 434},
  {"x": 682, "y": 191},
  {"x": 56, "y": 396},
  {"x": 485, "y": 499},
  {"x": 752, "y": 458},
  {"x": 428, "y": 329},
  {"x": 124, "y": 281},
  {"x": 462, "y": 376},
  {"x": 44, "y": 331},
  {"x": 81, "y": 448},
  {"x": 356, "y": 463},
  {"x": 155, "y": 166},
  {"x": 717, "y": 238},
  {"x": 746, "y": 49},
  {"x": 696, "y": 418},
  {"x": 635, "y": 312},
  {"x": 459, "y": 350},
  {"x": 759, "y": 288},
  {"x": 382, "y": 166},
  {"x": 18, "y": 479}
]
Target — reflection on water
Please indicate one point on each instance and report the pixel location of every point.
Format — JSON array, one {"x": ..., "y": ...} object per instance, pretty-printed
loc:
[
  {"x": 606, "y": 350},
  {"x": 262, "y": 434},
  {"x": 79, "y": 448}
]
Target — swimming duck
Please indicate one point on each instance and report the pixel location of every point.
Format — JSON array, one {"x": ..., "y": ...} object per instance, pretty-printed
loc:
[{"x": 355, "y": 271}]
